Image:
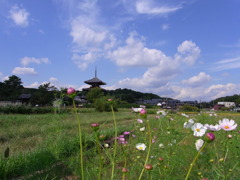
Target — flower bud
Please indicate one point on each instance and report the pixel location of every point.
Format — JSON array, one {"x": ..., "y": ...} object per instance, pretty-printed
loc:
[
  {"x": 95, "y": 126},
  {"x": 148, "y": 167},
  {"x": 124, "y": 170},
  {"x": 70, "y": 91},
  {"x": 229, "y": 136},
  {"x": 210, "y": 137},
  {"x": 161, "y": 159}
]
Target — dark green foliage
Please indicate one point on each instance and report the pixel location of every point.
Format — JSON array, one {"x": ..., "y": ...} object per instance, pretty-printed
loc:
[
  {"x": 102, "y": 104},
  {"x": 234, "y": 98},
  {"x": 94, "y": 94},
  {"x": 28, "y": 110},
  {"x": 189, "y": 108},
  {"x": 10, "y": 89},
  {"x": 131, "y": 96}
]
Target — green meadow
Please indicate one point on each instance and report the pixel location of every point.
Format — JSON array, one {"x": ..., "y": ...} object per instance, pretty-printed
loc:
[{"x": 46, "y": 146}]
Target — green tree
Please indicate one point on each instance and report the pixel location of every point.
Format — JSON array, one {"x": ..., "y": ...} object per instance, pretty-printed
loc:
[
  {"x": 11, "y": 88},
  {"x": 44, "y": 95},
  {"x": 94, "y": 94}
]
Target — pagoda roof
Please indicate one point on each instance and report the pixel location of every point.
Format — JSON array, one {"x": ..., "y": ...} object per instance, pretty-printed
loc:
[{"x": 95, "y": 80}]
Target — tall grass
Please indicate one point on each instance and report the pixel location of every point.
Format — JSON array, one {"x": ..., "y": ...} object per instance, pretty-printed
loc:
[{"x": 46, "y": 147}]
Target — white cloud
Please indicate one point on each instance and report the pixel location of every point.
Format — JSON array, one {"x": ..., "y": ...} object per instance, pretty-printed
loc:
[
  {"x": 90, "y": 37},
  {"x": 85, "y": 36},
  {"x": 221, "y": 90},
  {"x": 19, "y": 16},
  {"x": 149, "y": 7},
  {"x": 199, "y": 80},
  {"x": 53, "y": 79},
  {"x": 82, "y": 61},
  {"x": 165, "y": 27},
  {"x": 134, "y": 53},
  {"x": 23, "y": 71},
  {"x": 160, "y": 68},
  {"x": 33, "y": 85},
  {"x": 226, "y": 64},
  {"x": 188, "y": 52},
  {"x": 27, "y": 60}
]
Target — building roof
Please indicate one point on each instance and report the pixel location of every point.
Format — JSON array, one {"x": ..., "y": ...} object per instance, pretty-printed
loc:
[
  {"x": 95, "y": 80},
  {"x": 25, "y": 96}
]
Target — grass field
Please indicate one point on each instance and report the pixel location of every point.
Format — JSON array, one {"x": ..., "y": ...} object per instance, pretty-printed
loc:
[{"x": 47, "y": 147}]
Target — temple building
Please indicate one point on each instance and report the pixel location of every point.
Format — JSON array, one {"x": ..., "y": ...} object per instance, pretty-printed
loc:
[{"x": 94, "y": 82}]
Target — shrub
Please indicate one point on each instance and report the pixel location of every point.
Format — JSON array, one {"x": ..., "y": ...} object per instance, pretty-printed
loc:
[
  {"x": 102, "y": 104},
  {"x": 187, "y": 107}
]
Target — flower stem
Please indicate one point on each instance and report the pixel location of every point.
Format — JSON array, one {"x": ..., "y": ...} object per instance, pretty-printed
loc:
[
  {"x": 80, "y": 140},
  {"x": 115, "y": 143},
  {"x": 196, "y": 157},
  {"x": 98, "y": 144},
  {"x": 148, "y": 153}
]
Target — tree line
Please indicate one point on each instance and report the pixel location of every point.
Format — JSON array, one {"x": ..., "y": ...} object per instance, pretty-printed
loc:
[{"x": 45, "y": 94}]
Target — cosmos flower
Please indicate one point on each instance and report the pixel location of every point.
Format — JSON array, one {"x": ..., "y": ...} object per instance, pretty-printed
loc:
[
  {"x": 183, "y": 114},
  {"x": 210, "y": 137},
  {"x": 136, "y": 110},
  {"x": 161, "y": 145},
  {"x": 227, "y": 125},
  {"x": 211, "y": 127},
  {"x": 162, "y": 112},
  {"x": 199, "y": 143},
  {"x": 198, "y": 129},
  {"x": 141, "y": 146},
  {"x": 70, "y": 91},
  {"x": 189, "y": 123},
  {"x": 142, "y": 129},
  {"x": 139, "y": 121}
]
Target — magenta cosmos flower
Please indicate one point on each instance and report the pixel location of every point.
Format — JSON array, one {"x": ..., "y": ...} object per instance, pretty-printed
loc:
[
  {"x": 227, "y": 125},
  {"x": 70, "y": 91}
]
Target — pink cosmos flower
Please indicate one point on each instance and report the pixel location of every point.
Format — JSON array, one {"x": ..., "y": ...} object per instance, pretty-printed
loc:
[
  {"x": 139, "y": 121},
  {"x": 143, "y": 112},
  {"x": 126, "y": 133},
  {"x": 227, "y": 125},
  {"x": 70, "y": 91}
]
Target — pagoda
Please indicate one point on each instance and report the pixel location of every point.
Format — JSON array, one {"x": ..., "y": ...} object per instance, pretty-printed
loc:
[{"x": 94, "y": 82}]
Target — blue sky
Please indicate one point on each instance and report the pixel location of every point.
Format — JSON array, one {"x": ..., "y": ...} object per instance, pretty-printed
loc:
[{"x": 184, "y": 49}]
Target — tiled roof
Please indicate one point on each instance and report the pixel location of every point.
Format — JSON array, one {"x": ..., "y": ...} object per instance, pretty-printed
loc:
[{"x": 95, "y": 80}]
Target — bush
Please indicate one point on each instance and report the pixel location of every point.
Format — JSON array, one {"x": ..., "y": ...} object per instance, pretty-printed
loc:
[
  {"x": 102, "y": 104},
  {"x": 189, "y": 108},
  {"x": 26, "y": 110}
]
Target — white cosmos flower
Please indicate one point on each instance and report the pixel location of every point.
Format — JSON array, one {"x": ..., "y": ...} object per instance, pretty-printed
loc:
[
  {"x": 162, "y": 112},
  {"x": 106, "y": 145},
  {"x": 141, "y": 146},
  {"x": 161, "y": 145},
  {"x": 137, "y": 110},
  {"x": 199, "y": 144},
  {"x": 188, "y": 124},
  {"x": 142, "y": 129},
  {"x": 198, "y": 129},
  {"x": 211, "y": 127},
  {"x": 185, "y": 115}
]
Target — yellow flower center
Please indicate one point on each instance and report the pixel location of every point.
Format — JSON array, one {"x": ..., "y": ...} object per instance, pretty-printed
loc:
[
  {"x": 140, "y": 148},
  {"x": 226, "y": 127},
  {"x": 198, "y": 130}
]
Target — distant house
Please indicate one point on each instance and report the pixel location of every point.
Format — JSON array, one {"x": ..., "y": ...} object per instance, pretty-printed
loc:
[
  {"x": 220, "y": 105},
  {"x": 24, "y": 98},
  {"x": 227, "y": 104}
]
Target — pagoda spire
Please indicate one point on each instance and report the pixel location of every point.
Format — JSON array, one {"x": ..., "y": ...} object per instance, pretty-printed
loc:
[{"x": 95, "y": 71}]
